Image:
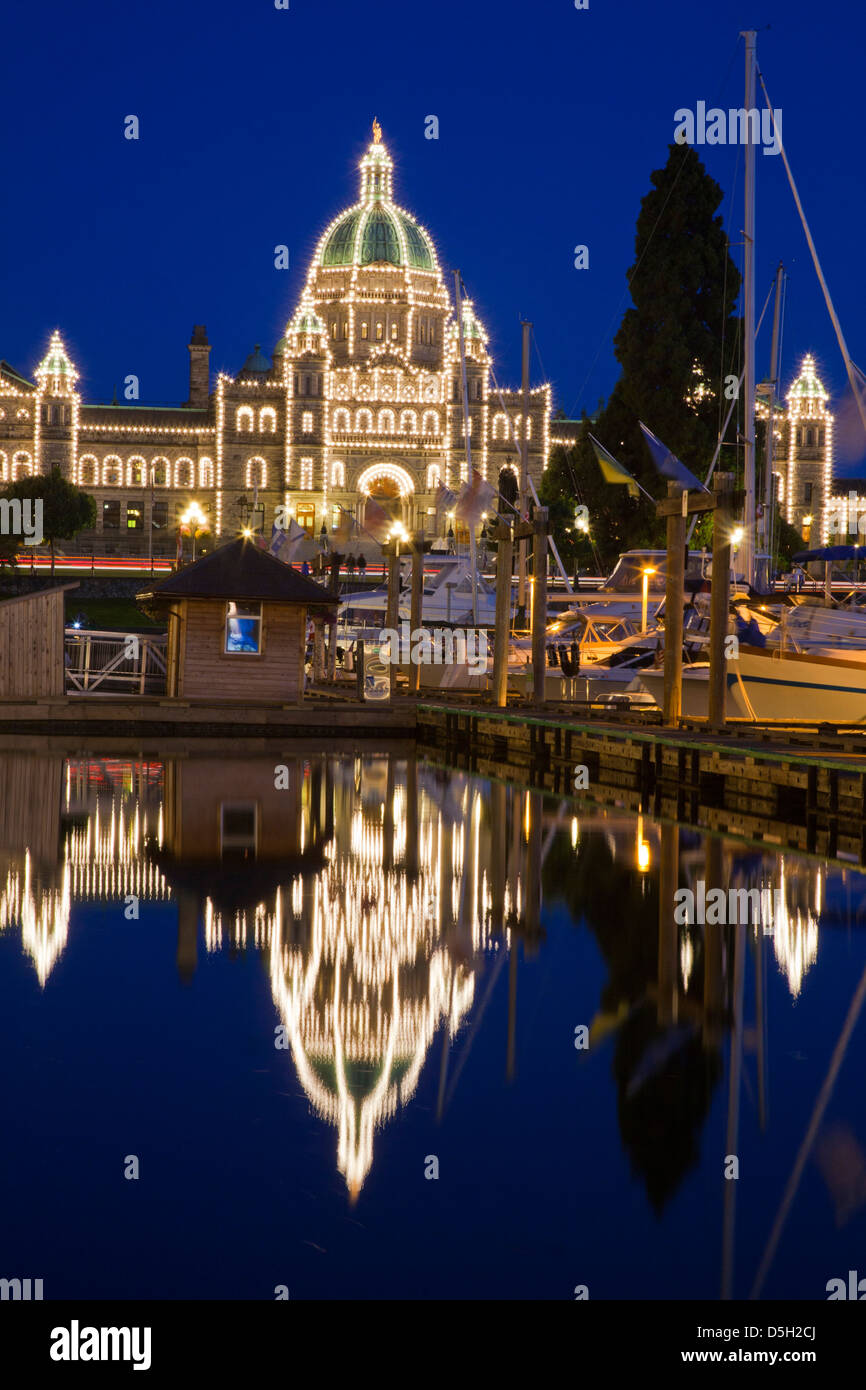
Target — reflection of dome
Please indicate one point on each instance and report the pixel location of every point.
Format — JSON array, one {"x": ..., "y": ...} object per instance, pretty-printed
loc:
[{"x": 375, "y": 231}]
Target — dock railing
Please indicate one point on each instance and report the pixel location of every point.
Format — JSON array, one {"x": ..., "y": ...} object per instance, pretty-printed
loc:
[{"x": 110, "y": 663}]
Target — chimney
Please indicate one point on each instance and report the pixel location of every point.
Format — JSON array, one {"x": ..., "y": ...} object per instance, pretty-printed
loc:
[{"x": 199, "y": 370}]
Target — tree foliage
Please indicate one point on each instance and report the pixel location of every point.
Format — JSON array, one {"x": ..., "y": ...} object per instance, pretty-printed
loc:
[
  {"x": 676, "y": 344},
  {"x": 66, "y": 509}
]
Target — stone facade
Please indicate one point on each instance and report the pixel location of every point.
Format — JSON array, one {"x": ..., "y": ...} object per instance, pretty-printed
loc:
[{"x": 362, "y": 398}]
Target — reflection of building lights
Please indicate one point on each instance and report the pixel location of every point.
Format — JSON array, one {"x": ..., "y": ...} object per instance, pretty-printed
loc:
[
  {"x": 575, "y": 832},
  {"x": 643, "y": 849}
]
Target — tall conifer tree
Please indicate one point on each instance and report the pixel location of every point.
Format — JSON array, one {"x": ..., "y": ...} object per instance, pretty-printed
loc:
[{"x": 681, "y": 337}]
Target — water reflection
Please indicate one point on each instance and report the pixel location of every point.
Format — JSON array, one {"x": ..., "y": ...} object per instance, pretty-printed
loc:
[{"x": 385, "y": 898}]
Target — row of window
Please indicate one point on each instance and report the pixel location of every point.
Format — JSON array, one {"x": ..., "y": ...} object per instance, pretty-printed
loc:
[
  {"x": 245, "y": 420},
  {"x": 57, "y": 414},
  {"x": 111, "y": 473},
  {"x": 806, "y": 437},
  {"x": 386, "y": 422}
]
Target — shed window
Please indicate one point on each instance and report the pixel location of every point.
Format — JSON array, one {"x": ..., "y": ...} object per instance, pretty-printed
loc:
[{"x": 243, "y": 628}]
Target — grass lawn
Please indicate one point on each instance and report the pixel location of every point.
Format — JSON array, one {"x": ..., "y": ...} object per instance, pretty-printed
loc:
[{"x": 109, "y": 614}]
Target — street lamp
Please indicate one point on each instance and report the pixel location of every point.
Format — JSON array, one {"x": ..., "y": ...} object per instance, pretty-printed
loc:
[
  {"x": 196, "y": 520},
  {"x": 645, "y": 596}
]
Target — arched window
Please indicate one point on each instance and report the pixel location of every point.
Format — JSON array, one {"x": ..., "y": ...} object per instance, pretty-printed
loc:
[
  {"x": 4, "y": 467},
  {"x": 307, "y": 474},
  {"x": 500, "y": 425},
  {"x": 257, "y": 473},
  {"x": 342, "y": 423},
  {"x": 430, "y": 391},
  {"x": 268, "y": 419},
  {"x": 55, "y": 415},
  {"x": 184, "y": 473},
  {"x": 810, "y": 439},
  {"x": 434, "y": 477},
  {"x": 205, "y": 473},
  {"x": 430, "y": 423},
  {"x": 338, "y": 474},
  {"x": 307, "y": 422},
  {"x": 136, "y": 471},
  {"x": 88, "y": 471},
  {"x": 244, "y": 419},
  {"x": 21, "y": 463},
  {"x": 408, "y": 422},
  {"x": 160, "y": 467},
  {"x": 112, "y": 471},
  {"x": 386, "y": 422},
  {"x": 364, "y": 422}
]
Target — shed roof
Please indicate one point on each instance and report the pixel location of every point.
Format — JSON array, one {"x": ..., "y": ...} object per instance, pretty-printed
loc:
[{"x": 241, "y": 570}]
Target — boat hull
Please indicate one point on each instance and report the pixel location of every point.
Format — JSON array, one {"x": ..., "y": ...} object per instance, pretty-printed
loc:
[{"x": 765, "y": 686}]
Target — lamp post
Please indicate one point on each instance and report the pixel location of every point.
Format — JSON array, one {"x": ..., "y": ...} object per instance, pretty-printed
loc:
[
  {"x": 150, "y": 520},
  {"x": 196, "y": 520}
]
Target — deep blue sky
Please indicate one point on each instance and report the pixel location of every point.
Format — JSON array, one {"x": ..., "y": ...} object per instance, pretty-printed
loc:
[{"x": 253, "y": 120}]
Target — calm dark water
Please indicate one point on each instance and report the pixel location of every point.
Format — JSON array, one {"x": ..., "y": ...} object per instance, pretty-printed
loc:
[{"x": 291, "y": 1002}]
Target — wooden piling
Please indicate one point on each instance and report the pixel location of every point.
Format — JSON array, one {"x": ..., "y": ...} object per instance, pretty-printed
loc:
[
  {"x": 674, "y": 597},
  {"x": 418, "y": 549},
  {"x": 539, "y": 605},
  {"x": 392, "y": 613},
  {"x": 504, "y": 554},
  {"x": 720, "y": 598}
]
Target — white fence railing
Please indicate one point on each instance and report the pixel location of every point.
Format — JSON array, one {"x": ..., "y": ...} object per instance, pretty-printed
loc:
[{"x": 114, "y": 662}]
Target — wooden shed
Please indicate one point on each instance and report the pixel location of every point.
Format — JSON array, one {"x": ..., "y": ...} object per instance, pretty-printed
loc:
[
  {"x": 32, "y": 644},
  {"x": 237, "y": 625}
]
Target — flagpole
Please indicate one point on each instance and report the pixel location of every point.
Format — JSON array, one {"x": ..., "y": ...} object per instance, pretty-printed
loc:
[{"x": 473, "y": 561}]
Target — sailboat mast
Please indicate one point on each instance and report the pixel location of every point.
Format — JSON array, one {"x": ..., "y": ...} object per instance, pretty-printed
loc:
[
  {"x": 769, "y": 491},
  {"x": 748, "y": 550}
]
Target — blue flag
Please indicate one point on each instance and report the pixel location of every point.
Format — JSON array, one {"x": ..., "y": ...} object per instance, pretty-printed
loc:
[{"x": 668, "y": 464}]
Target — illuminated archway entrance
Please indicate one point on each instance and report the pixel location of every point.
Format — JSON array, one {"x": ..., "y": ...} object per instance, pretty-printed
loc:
[{"x": 390, "y": 487}]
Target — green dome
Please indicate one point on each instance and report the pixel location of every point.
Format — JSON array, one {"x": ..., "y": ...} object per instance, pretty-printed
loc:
[
  {"x": 306, "y": 321},
  {"x": 369, "y": 235},
  {"x": 807, "y": 384}
]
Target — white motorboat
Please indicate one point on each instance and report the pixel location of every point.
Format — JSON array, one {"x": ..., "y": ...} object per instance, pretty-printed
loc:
[{"x": 797, "y": 687}]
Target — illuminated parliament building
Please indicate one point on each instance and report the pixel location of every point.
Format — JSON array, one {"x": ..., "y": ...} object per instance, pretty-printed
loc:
[{"x": 362, "y": 398}]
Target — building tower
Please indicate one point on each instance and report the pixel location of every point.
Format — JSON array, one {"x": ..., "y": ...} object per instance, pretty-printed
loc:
[
  {"x": 809, "y": 469},
  {"x": 56, "y": 412},
  {"x": 199, "y": 369}
]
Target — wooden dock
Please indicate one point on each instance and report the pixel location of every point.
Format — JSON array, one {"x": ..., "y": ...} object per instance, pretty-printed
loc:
[{"x": 800, "y": 789}]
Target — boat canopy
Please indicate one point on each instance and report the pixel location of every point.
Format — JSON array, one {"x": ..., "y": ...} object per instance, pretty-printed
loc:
[{"x": 830, "y": 552}]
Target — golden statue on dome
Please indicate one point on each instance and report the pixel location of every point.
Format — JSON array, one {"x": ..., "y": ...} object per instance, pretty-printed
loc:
[{"x": 377, "y": 132}]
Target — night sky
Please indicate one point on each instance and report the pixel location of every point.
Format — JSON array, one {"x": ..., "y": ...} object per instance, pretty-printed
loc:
[{"x": 252, "y": 121}]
